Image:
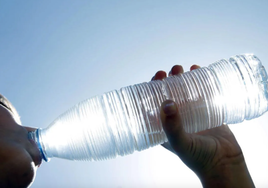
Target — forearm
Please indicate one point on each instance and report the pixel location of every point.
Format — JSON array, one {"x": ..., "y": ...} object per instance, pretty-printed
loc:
[{"x": 231, "y": 175}]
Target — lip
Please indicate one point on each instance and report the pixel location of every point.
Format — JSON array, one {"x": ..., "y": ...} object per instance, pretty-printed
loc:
[{"x": 37, "y": 158}]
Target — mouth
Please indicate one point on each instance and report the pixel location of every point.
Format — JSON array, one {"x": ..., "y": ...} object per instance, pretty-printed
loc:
[{"x": 35, "y": 154}]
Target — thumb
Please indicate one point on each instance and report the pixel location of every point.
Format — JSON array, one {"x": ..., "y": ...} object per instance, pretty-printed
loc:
[{"x": 179, "y": 140}]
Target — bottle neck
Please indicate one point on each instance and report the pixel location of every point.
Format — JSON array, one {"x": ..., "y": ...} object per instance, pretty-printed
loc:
[{"x": 35, "y": 136}]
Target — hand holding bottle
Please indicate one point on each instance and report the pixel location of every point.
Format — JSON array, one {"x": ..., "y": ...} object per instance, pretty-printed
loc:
[
  {"x": 214, "y": 154},
  {"x": 122, "y": 121}
]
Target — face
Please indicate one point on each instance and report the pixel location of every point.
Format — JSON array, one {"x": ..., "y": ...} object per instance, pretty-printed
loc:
[{"x": 19, "y": 157}]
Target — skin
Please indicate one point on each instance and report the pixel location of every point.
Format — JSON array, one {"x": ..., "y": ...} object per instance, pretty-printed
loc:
[
  {"x": 18, "y": 155},
  {"x": 214, "y": 154}
]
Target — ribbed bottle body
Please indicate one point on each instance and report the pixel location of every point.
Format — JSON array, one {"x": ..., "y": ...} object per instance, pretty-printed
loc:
[
  {"x": 115, "y": 123},
  {"x": 122, "y": 121}
]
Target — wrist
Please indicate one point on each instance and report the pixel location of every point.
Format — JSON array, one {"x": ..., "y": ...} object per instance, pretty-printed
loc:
[{"x": 228, "y": 174}]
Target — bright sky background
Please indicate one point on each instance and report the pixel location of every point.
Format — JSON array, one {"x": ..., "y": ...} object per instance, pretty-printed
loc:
[{"x": 54, "y": 54}]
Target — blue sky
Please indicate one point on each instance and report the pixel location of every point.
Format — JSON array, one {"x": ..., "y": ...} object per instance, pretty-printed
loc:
[{"x": 54, "y": 54}]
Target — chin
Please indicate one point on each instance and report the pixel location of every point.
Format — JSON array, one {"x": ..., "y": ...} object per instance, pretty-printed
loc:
[
  {"x": 23, "y": 178},
  {"x": 28, "y": 178}
]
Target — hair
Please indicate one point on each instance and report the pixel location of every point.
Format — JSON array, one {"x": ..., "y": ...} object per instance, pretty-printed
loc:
[{"x": 5, "y": 102}]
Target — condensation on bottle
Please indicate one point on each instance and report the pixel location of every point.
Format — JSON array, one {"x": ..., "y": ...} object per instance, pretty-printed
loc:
[{"x": 127, "y": 120}]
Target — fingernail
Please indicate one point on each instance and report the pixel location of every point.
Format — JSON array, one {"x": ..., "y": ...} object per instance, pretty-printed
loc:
[
  {"x": 170, "y": 108},
  {"x": 176, "y": 70},
  {"x": 193, "y": 67}
]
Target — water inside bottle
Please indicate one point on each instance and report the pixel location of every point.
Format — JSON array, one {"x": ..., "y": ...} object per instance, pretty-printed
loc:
[{"x": 122, "y": 121}]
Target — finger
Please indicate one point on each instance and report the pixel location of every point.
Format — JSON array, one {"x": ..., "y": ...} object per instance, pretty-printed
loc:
[
  {"x": 179, "y": 140},
  {"x": 175, "y": 70},
  {"x": 193, "y": 67},
  {"x": 160, "y": 75}
]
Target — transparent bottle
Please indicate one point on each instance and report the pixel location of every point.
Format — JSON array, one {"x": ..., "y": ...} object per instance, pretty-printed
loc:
[{"x": 122, "y": 121}]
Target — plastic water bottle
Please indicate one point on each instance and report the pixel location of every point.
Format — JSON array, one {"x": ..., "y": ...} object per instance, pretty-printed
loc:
[{"x": 122, "y": 121}]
